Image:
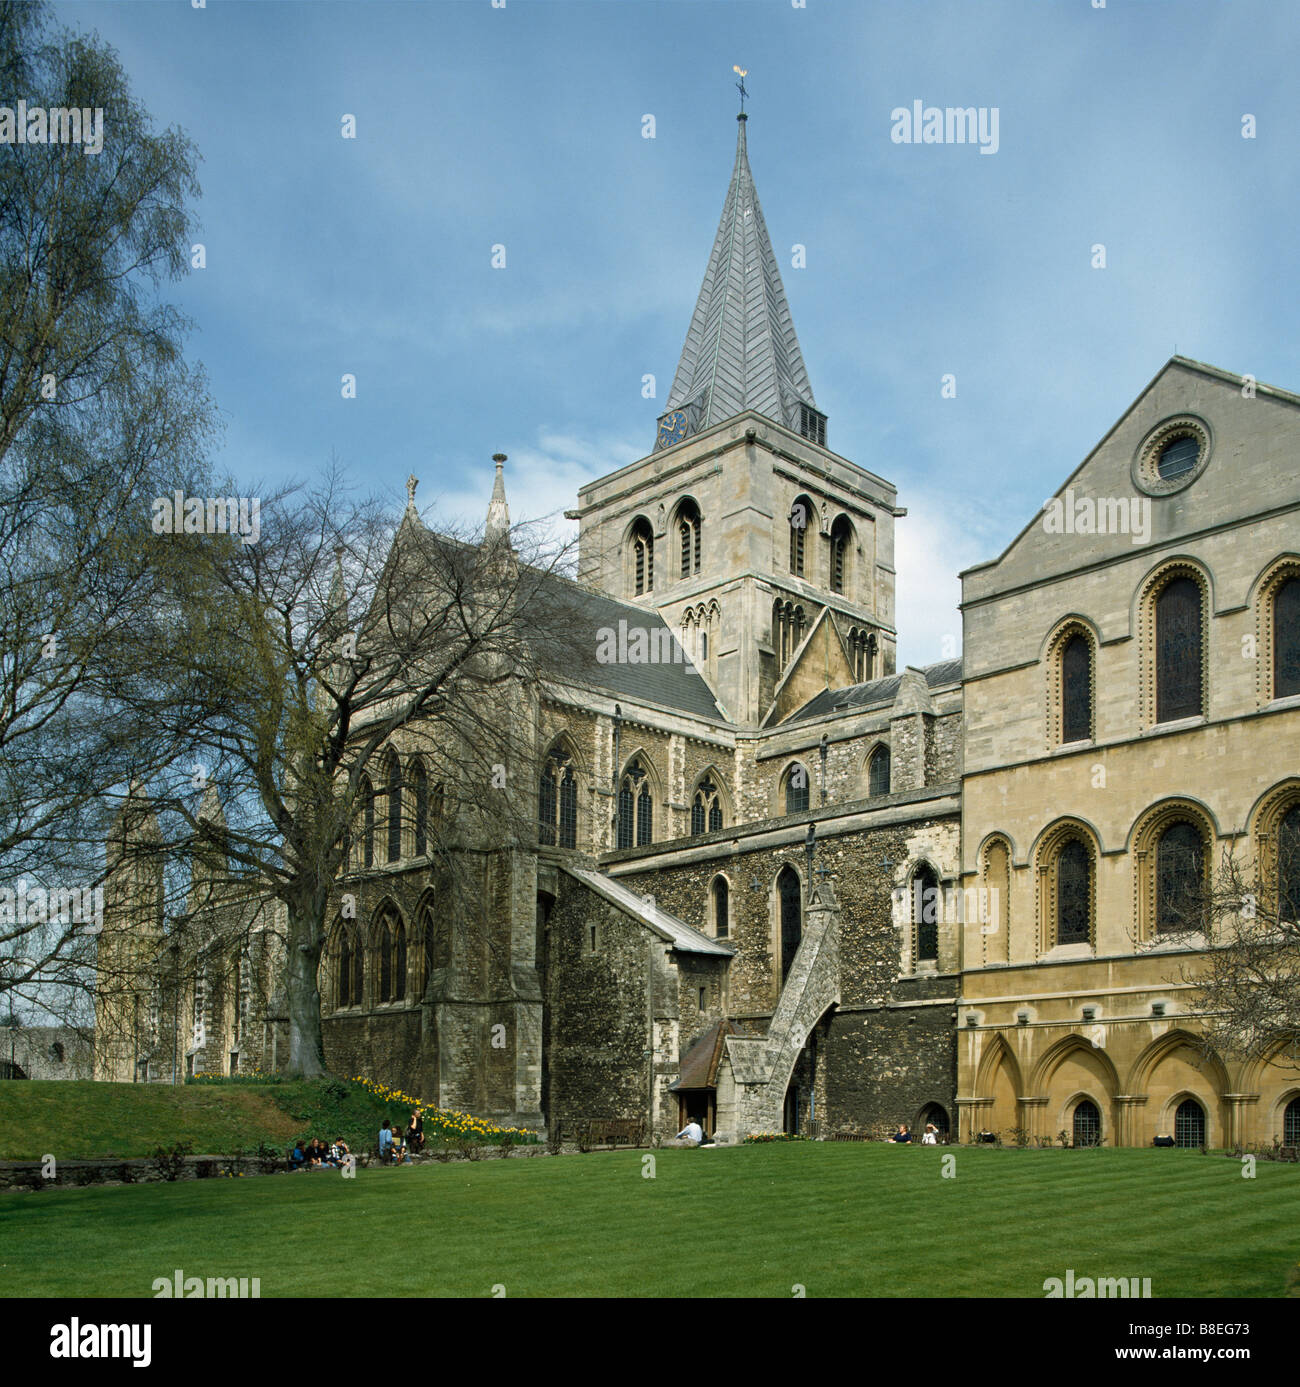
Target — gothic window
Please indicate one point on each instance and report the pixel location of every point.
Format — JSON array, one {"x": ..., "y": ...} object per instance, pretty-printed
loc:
[
  {"x": 1288, "y": 865},
  {"x": 557, "y": 802},
  {"x": 420, "y": 796},
  {"x": 1178, "y": 650},
  {"x": 706, "y": 810},
  {"x": 1291, "y": 1123},
  {"x": 721, "y": 907},
  {"x": 796, "y": 789},
  {"x": 878, "y": 772},
  {"x": 688, "y": 532},
  {"x": 635, "y": 807},
  {"x": 802, "y": 515},
  {"x": 841, "y": 540},
  {"x": 1286, "y": 639},
  {"x": 546, "y": 798},
  {"x": 394, "y": 810},
  {"x": 925, "y": 915},
  {"x": 1076, "y": 689},
  {"x": 790, "y": 899},
  {"x": 392, "y": 956},
  {"x": 385, "y": 962},
  {"x": 345, "y": 969},
  {"x": 568, "y": 809},
  {"x": 1180, "y": 858},
  {"x": 1087, "y": 1123},
  {"x": 643, "y": 557},
  {"x": 1189, "y": 1124},
  {"x": 358, "y": 969},
  {"x": 399, "y": 963},
  {"x": 1074, "y": 893},
  {"x": 368, "y": 823}
]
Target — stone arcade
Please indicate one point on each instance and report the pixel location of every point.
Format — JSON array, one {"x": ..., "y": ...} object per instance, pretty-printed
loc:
[{"x": 727, "y": 913}]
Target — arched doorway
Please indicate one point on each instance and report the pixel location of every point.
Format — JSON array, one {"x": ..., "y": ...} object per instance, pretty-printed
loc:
[
  {"x": 934, "y": 1113},
  {"x": 1087, "y": 1123},
  {"x": 1189, "y": 1124}
]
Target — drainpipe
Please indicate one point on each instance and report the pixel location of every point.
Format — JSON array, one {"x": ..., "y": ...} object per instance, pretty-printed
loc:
[
  {"x": 613, "y": 776},
  {"x": 825, "y": 745}
]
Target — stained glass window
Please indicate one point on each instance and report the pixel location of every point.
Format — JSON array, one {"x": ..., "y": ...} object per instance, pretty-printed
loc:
[
  {"x": 878, "y": 772},
  {"x": 635, "y": 808},
  {"x": 644, "y": 816},
  {"x": 1180, "y": 857},
  {"x": 790, "y": 896},
  {"x": 1074, "y": 894},
  {"x": 1178, "y": 650},
  {"x": 1076, "y": 689},
  {"x": 721, "y": 919},
  {"x": 1286, "y": 639},
  {"x": 925, "y": 915},
  {"x": 715, "y": 816},
  {"x": 1087, "y": 1124},
  {"x": 1288, "y": 864},
  {"x": 796, "y": 790},
  {"x": 1189, "y": 1124}
]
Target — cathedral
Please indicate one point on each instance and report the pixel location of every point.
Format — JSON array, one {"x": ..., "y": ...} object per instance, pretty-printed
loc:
[{"x": 778, "y": 883}]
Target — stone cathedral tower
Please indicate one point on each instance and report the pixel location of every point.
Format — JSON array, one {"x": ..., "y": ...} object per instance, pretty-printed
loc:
[{"x": 793, "y": 588}]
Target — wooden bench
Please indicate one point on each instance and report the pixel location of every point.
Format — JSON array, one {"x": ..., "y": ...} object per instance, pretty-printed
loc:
[{"x": 605, "y": 1131}]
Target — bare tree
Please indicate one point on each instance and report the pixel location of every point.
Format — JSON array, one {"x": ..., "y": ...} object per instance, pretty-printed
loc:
[
  {"x": 310, "y": 653},
  {"x": 1247, "y": 983},
  {"x": 97, "y": 407}
]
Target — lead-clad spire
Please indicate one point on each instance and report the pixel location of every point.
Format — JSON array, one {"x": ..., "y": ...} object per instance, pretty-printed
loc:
[{"x": 741, "y": 351}]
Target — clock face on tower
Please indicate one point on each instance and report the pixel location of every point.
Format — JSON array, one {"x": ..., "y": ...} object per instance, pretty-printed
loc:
[{"x": 672, "y": 428}]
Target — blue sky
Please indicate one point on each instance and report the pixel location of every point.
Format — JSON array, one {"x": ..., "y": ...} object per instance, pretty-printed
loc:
[{"x": 522, "y": 126}]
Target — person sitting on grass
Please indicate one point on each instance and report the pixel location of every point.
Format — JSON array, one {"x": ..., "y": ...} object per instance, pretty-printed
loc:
[
  {"x": 693, "y": 1133},
  {"x": 902, "y": 1136},
  {"x": 385, "y": 1142},
  {"x": 400, "y": 1156},
  {"x": 297, "y": 1157},
  {"x": 931, "y": 1136},
  {"x": 339, "y": 1152}
]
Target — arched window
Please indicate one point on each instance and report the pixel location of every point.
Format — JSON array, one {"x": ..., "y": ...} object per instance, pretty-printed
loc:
[
  {"x": 1087, "y": 1123},
  {"x": 721, "y": 908},
  {"x": 420, "y": 807},
  {"x": 435, "y": 943},
  {"x": 706, "y": 810},
  {"x": 643, "y": 557},
  {"x": 635, "y": 807},
  {"x": 1076, "y": 689},
  {"x": 878, "y": 772},
  {"x": 1286, "y": 639},
  {"x": 1074, "y": 893},
  {"x": 925, "y": 915},
  {"x": 1189, "y": 1124},
  {"x": 343, "y": 988},
  {"x": 1178, "y": 650},
  {"x": 385, "y": 961},
  {"x": 862, "y": 654},
  {"x": 394, "y": 810},
  {"x": 796, "y": 789},
  {"x": 790, "y": 902},
  {"x": 557, "y": 802},
  {"x": 688, "y": 534},
  {"x": 399, "y": 962},
  {"x": 1291, "y": 1123},
  {"x": 1288, "y": 865},
  {"x": 367, "y": 823},
  {"x": 841, "y": 542},
  {"x": 1180, "y": 864},
  {"x": 802, "y": 515}
]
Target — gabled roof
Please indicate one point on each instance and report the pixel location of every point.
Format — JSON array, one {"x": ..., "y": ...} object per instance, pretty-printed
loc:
[
  {"x": 677, "y": 932},
  {"x": 699, "y": 1066},
  {"x": 741, "y": 351},
  {"x": 877, "y": 693}
]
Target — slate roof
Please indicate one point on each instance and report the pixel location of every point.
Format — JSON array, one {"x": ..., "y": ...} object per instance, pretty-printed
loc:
[
  {"x": 741, "y": 351},
  {"x": 699, "y": 1066},
  {"x": 674, "y": 685},
  {"x": 878, "y": 693},
  {"x": 677, "y": 932}
]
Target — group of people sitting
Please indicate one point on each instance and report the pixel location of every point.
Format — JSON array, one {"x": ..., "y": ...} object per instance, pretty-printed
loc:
[
  {"x": 316, "y": 1155},
  {"x": 904, "y": 1135},
  {"x": 396, "y": 1147}
]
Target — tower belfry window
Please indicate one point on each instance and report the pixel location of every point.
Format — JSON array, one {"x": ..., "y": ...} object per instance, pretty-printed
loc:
[
  {"x": 688, "y": 531},
  {"x": 643, "y": 558},
  {"x": 812, "y": 424}
]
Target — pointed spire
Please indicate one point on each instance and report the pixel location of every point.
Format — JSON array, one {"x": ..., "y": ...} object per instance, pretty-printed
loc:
[
  {"x": 741, "y": 351},
  {"x": 498, "y": 514}
]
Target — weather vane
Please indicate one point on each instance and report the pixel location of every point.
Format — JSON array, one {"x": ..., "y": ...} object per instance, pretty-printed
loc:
[{"x": 742, "y": 72}]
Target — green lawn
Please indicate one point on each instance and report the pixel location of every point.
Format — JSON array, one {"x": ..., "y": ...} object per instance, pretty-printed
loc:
[{"x": 838, "y": 1219}]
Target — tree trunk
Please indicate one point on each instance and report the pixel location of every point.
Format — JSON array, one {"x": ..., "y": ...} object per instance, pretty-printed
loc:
[{"x": 306, "y": 1046}]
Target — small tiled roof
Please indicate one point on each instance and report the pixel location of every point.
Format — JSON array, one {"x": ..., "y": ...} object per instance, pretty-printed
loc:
[
  {"x": 677, "y": 932},
  {"x": 699, "y": 1068},
  {"x": 877, "y": 693}
]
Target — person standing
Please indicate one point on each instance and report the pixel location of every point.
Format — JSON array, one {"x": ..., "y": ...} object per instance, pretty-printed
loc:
[{"x": 385, "y": 1142}]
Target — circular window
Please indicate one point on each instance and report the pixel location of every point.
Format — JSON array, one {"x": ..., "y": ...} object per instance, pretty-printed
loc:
[{"x": 1172, "y": 455}]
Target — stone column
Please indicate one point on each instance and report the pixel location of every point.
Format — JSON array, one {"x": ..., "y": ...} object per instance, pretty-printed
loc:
[
  {"x": 1031, "y": 1114},
  {"x": 1239, "y": 1113},
  {"x": 971, "y": 1113},
  {"x": 1128, "y": 1107}
]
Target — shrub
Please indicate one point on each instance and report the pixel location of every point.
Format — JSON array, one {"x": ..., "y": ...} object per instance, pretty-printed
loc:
[{"x": 169, "y": 1162}]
